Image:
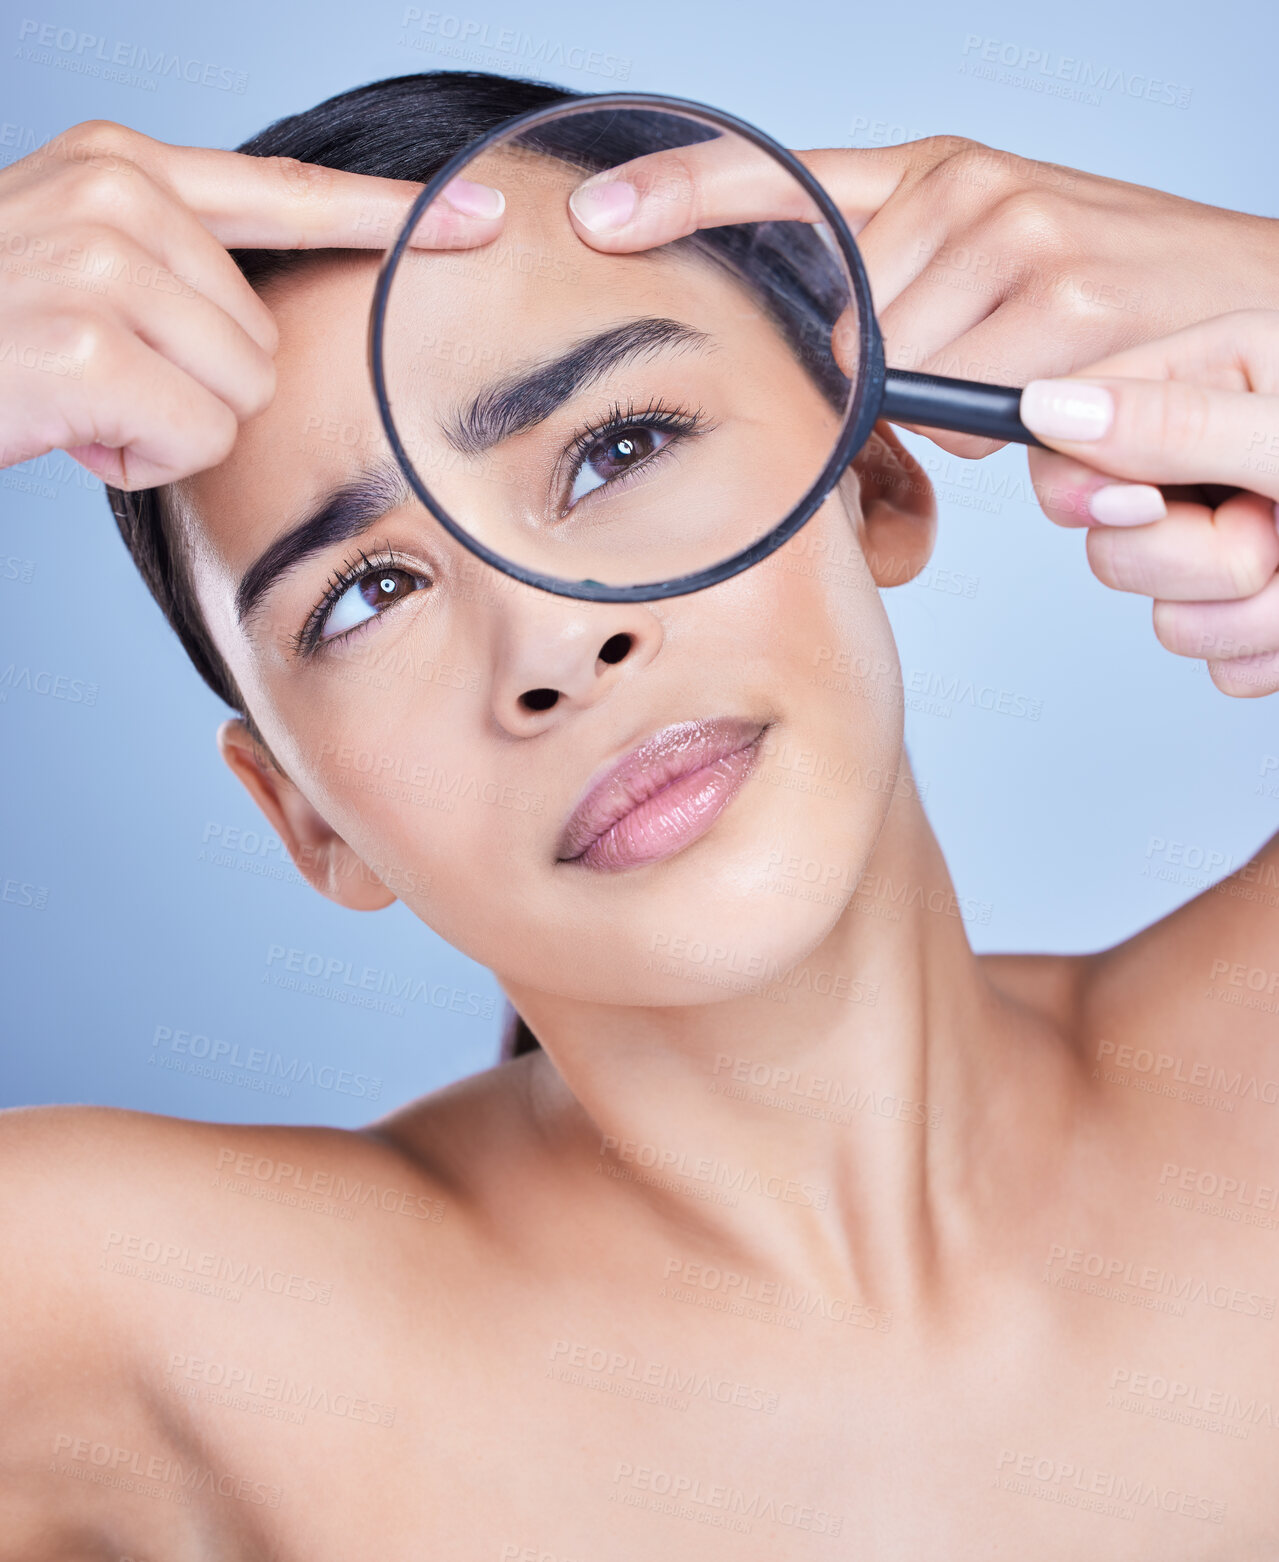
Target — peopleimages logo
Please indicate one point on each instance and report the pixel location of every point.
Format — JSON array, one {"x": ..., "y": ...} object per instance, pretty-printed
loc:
[
  {"x": 1168, "y": 1068},
  {"x": 112, "y": 59},
  {"x": 710, "y": 1169},
  {"x": 450, "y": 785},
  {"x": 1214, "y": 1185},
  {"x": 1077, "y": 1485},
  {"x": 694, "y": 957},
  {"x": 701, "y": 1499},
  {"x": 1025, "y": 65},
  {"x": 546, "y": 53},
  {"x": 125, "y": 1251},
  {"x": 234, "y": 1385},
  {"x": 133, "y": 1469},
  {"x": 616, "y": 1370},
  {"x": 379, "y": 980},
  {"x": 56, "y": 685},
  {"x": 681, "y": 1274},
  {"x": 1114, "y": 1273},
  {"x": 259, "y": 1067},
  {"x": 1186, "y": 1400}
]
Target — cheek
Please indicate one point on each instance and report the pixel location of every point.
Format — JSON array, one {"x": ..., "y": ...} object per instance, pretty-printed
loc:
[
  {"x": 833, "y": 763},
  {"x": 465, "y": 848},
  {"x": 828, "y": 620},
  {"x": 389, "y": 753}
]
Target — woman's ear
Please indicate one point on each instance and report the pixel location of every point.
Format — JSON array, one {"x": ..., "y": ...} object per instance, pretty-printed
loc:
[
  {"x": 898, "y": 507},
  {"x": 322, "y": 857}
]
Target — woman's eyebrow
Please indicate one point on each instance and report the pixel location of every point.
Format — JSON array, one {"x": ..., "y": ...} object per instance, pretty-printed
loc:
[
  {"x": 520, "y": 402},
  {"x": 343, "y": 514},
  {"x": 508, "y": 407}
]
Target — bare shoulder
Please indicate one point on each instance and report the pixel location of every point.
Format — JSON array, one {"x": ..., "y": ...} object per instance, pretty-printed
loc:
[
  {"x": 1176, "y": 1029},
  {"x": 1186, "y": 1011},
  {"x": 68, "y": 1169},
  {"x": 144, "y": 1253},
  {"x": 87, "y": 1188},
  {"x": 1207, "y": 974},
  {"x": 96, "y": 1194}
]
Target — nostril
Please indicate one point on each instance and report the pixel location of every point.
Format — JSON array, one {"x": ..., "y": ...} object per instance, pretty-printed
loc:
[
  {"x": 539, "y": 699},
  {"x": 615, "y": 648}
]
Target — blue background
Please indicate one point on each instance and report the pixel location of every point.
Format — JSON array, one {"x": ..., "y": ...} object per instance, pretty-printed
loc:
[{"x": 116, "y": 921}]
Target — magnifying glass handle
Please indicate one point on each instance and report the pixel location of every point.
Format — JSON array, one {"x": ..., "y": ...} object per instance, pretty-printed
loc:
[{"x": 963, "y": 406}]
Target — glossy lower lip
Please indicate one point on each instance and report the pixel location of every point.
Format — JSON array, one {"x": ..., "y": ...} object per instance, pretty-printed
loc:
[{"x": 663, "y": 797}]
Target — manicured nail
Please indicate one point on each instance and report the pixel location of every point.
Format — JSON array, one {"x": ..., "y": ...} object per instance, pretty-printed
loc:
[
  {"x": 1127, "y": 504},
  {"x": 1067, "y": 409},
  {"x": 474, "y": 200},
  {"x": 604, "y": 208}
]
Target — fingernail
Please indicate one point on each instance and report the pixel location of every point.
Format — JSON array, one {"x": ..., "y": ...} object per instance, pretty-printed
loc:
[
  {"x": 1127, "y": 504},
  {"x": 474, "y": 200},
  {"x": 1067, "y": 409},
  {"x": 604, "y": 208}
]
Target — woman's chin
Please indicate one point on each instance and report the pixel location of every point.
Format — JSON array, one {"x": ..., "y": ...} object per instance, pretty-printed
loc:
[{"x": 733, "y": 928}]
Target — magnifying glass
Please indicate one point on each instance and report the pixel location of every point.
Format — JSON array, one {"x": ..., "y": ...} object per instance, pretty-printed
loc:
[{"x": 635, "y": 426}]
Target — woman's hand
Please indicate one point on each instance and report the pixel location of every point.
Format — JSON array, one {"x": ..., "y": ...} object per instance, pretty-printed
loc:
[
  {"x": 983, "y": 265},
  {"x": 128, "y": 336},
  {"x": 1194, "y": 412}
]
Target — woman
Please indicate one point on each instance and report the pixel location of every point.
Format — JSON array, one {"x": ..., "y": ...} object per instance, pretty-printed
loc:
[{"x": 804, "y": 1226}]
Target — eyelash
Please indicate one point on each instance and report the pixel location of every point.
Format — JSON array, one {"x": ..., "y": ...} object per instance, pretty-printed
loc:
[
  {"x": 307, "y": 641},
  {"x": 678, "y": 421}
]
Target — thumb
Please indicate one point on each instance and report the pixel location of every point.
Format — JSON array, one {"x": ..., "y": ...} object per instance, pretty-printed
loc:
[{"x": 1159, "y": 431}]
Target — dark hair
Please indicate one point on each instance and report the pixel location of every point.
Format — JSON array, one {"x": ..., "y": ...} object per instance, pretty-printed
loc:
[{"x": 408, "y": 127}]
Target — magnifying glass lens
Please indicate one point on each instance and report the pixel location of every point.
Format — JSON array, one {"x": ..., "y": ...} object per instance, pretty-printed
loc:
[{"x": 620, "y": 419}]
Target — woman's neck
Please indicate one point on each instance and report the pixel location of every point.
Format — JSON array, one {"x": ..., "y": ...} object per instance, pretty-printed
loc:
[{"x": 848, "y": 1102}]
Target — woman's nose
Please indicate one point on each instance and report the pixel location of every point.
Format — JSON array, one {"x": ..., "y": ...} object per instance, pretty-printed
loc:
[{"x": 558, "y": 653}]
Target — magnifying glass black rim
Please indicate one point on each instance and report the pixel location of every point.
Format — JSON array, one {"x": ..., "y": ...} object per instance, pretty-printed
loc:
[{"x": 859, "y": 419}]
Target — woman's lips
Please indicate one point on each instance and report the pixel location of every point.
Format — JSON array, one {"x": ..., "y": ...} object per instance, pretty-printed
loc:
[{"x": 662, "y": 796}]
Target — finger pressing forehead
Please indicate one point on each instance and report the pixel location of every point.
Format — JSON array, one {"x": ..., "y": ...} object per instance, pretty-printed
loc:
[
  {"x": 667, "y": 195},
  {"x": 251, "y": 202}
]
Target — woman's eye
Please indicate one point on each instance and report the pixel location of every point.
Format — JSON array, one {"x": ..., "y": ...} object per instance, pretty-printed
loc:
[
  {"x": 612, "y": 455},
  {"x": 366, "y": 597}
]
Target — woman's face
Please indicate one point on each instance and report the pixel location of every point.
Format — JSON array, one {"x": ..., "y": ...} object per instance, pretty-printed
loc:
[{"x": 445, "y": 720}]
